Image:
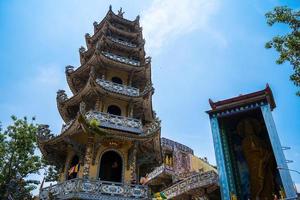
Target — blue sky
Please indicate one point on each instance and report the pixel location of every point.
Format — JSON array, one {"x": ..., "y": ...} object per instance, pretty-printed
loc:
[{"x": 200, "y": 49}]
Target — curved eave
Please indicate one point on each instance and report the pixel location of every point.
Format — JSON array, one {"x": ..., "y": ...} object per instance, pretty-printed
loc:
[
  {"x": 133, "y": 23},
  {"x": 148, "y": 112},
  {"x": 74, "y": 100},
  {"x": 105, "y": 26},
  {"x": 71, "y": 84},
  {"x": 85, "y": 68},
  {"x": 72, "y": 129},
  {"x": 110, "y": 15},
  {"x": 155, "y": 148},
  {"x": 132, "y": 35},
  {"x": 59, "y": 139}
]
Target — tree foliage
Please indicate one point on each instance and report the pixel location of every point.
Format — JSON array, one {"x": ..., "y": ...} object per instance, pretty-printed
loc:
[
  {"x": 287, "y": 45},
  {"x": 18, "y": 160}
]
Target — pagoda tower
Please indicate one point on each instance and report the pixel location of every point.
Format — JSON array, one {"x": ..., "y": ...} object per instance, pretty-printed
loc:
[{"x": 111, "y": 136}]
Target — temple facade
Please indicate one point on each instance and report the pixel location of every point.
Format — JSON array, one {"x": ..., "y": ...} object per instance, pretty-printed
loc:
[{"x": 110, "y": 146}]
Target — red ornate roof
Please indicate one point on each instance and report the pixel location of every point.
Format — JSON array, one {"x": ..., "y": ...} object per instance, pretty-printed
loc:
[{"x": 265, "y": 94}]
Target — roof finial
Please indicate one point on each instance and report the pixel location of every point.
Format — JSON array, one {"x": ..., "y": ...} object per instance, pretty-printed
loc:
[
  {"x": 137, "y": 18},
  {"x": 120, "y": 12},
  {"x": 110, "y": 7}
]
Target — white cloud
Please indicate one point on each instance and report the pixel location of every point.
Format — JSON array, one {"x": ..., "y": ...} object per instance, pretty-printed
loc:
[
  {"x": 51, "y": 78},
  {"x": 169, "y": 19},
  {"x": 297, "y": 187},
  {"x": 49, "y": 75}
]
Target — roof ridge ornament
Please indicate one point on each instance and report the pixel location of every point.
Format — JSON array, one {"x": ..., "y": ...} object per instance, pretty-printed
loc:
[{"x": 120, "y": 12}]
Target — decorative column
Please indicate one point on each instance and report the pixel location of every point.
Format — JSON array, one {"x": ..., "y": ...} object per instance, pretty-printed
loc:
[
  {"x": 130, "y": 109},
  {"x": 286, "y": 179},
  {"x": 98, "y": 105},
  {"x": 88, "y": 157},
  {"x": 132, "y": 161},
  {"x": 223, "y": 177},
  {"x": 68, "y": 160}
]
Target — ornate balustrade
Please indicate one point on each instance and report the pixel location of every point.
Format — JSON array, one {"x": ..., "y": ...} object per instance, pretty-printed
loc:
[
  {"x": 121, "y": 59},
  {"x": 198, "y": 181},
  {"x": 118, "y": 88},
  {"x": 125, "y": 43},
  {"x": 160, "y": 170},
  {"x": 116, "y": 122},
  {"x": 93, "y": 189},
  {"x": 170, "y": 144}
]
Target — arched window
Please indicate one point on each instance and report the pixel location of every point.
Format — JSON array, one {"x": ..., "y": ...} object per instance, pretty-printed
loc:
[
  {"x": 115, "y": 110},
  {"x": 116, "y": 80},
  {"x": 111, "y": 167},
  {"x": 74, "y": 168}
]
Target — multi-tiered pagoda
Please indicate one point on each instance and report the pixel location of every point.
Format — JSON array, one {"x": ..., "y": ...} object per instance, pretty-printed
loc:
[{"x": 111, "y": 136}]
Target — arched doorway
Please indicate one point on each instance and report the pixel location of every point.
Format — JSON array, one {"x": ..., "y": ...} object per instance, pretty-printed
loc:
[
  {"x": 116, "y": 80},
  {"x": 74, "y": 168},
  {"x": 115, "y": 110},
  {"x": 111, "y": 167}
]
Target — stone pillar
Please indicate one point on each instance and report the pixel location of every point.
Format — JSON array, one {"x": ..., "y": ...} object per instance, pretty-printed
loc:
[
  {"x": 88, "y": 157},
  {"x": 133, "y": 169},
  {"x": 67, "y": 163},
  {"x": 130, "y": 109}
]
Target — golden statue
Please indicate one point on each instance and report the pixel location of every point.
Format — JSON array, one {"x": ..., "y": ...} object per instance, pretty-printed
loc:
[{"x": 259, "y": 159}]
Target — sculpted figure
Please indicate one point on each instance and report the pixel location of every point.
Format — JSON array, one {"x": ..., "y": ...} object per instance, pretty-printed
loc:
[{"x": 259, "y": 159}]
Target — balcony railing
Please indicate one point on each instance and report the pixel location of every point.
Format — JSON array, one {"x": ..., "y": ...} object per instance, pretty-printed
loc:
[
  {"x": 121, "y": 59},
  {"x": 107, "y": 120},
  {"x": 93, "y": 189},
  {"x": 200, "y": 180},
  {"x": 125, "y": 43},
  {"x": 118, "y": 88},
  {"x": 160, "y": 170},
  {"x": 170, "y": 144}
]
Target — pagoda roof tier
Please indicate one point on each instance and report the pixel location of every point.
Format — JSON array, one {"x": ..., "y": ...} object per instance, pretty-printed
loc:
[
  {"x": 76, "y": 78},
  {"x": 107, "y": 126},
  {"x": 108, "y": 28},
  {"x": 118, "y": 18},
  {"x": 109, "y": 42},
  {"x": 61, "y": 142},
  {"x": 100, "y": 87}
]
